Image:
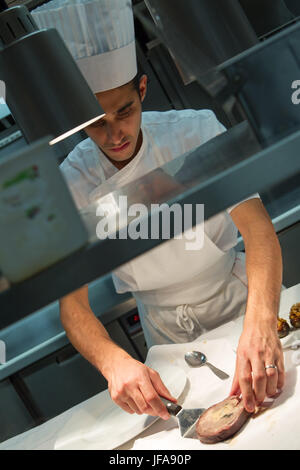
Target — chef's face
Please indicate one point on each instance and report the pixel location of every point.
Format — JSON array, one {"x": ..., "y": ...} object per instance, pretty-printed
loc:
[{"x": 118, "y": 133}]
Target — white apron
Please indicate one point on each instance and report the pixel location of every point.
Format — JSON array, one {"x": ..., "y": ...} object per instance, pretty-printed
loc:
[{"x": 181, "y": 294}]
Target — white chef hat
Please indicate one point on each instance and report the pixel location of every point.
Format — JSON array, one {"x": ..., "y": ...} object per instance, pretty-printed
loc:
[{"x": 100, "y": 36}]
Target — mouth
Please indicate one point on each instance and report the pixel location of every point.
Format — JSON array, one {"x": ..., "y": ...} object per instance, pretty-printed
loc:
[{"x": 120, "y": 149}]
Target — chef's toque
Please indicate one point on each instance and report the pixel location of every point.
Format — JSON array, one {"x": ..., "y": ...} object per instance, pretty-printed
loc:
[{"x": 100, "y": 36}]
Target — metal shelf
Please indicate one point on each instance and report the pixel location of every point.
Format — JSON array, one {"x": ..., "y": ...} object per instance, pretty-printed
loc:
[{"x": 218, "y": 174}]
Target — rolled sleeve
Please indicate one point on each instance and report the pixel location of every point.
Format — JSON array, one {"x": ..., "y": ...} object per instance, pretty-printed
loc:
[{"x": 253, "y": 196}]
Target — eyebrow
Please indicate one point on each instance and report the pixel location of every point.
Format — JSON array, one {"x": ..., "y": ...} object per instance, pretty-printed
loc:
[{"x": 127, "y": 105}]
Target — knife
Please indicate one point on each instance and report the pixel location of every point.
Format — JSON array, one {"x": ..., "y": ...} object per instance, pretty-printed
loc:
[{"x": 187, "y": 418}]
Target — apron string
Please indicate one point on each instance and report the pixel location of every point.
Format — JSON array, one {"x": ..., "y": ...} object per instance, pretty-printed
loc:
[{"x": 183, "y": 318}]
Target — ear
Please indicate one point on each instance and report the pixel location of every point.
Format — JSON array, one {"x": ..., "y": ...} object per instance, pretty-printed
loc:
[{"x": 143, "y": 86}]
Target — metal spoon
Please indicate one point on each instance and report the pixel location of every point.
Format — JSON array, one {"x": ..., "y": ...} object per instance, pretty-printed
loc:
[{"x": 197, "y": 359}]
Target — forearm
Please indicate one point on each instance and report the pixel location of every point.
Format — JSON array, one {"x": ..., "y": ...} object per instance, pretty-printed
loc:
[
  {"x": 132, "y": 385},
  {"x": 88, "y": 335},
  {"x": 264, "y": 272},
  {"x": 259, "y": 344}
]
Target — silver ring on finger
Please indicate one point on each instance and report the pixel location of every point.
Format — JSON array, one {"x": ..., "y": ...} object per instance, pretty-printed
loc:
[{"x": 270, "y": 366}]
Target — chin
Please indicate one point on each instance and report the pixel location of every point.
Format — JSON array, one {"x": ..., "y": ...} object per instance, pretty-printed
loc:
[{"x": 121, "y": 157}]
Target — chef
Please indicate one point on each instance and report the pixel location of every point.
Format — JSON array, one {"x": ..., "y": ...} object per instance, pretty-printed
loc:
[{"x": 179, "y": 295}]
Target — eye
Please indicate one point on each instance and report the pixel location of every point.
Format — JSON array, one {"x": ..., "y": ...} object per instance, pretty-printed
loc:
[
  {"x": 125, "y": 115},
  {"x": 100, "y": 123}
]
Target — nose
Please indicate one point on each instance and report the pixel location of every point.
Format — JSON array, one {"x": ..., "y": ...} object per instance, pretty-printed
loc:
[{"x": 114, "y": 133}]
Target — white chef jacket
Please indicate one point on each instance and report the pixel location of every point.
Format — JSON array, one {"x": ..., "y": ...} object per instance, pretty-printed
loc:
[{"x": 166, "y": 135}]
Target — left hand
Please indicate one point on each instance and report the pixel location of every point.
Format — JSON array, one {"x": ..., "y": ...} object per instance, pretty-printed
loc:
[{"x": 258, "y": 347}]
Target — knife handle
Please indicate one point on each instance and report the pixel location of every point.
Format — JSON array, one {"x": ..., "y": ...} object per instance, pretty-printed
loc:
[{"x": 173, "y": 408}]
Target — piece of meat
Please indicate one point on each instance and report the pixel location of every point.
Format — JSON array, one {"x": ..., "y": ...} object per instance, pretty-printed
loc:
[
  {"x": 222, "y": 420},
  {"x": 283, "y": 327},
  {"x": 295, "y": 315}
]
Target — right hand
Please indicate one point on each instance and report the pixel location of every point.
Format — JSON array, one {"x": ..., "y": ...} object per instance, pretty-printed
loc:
[{"x": 136, "y": 388}]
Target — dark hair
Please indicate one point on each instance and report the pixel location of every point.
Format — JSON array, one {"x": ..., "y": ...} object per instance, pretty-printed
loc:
[{"x": 136, "y": 82}]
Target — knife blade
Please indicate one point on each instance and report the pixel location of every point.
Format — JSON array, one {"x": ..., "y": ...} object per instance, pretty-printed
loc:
[{"x": 187, "y": 418}]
